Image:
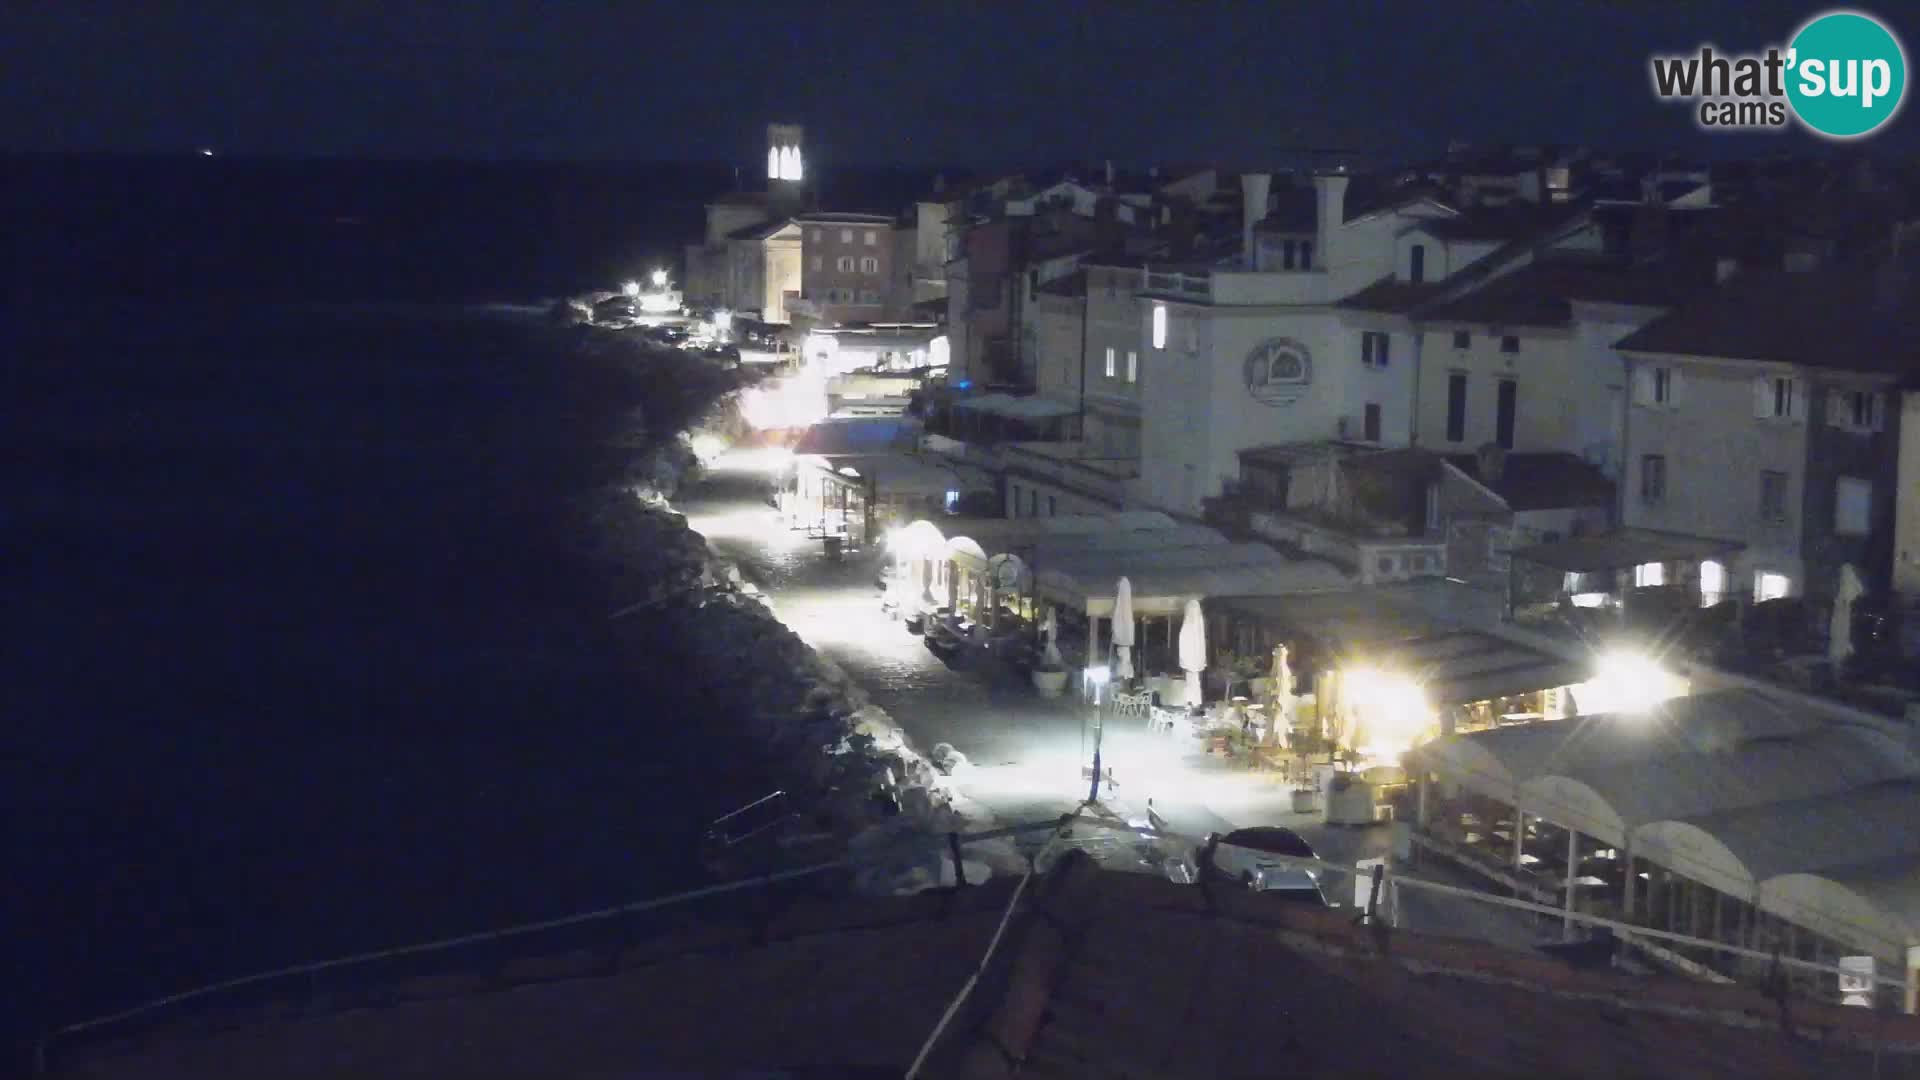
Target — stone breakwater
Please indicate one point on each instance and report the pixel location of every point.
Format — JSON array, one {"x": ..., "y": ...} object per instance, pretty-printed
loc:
[{"x": 789, "y": 710}]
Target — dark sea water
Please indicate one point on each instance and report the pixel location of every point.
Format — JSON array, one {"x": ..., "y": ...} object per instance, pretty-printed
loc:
[{"x": 302, "y": 659}]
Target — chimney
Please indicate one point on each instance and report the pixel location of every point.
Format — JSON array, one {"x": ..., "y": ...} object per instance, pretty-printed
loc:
[
  {"x": 1724, "y": 268},
  {"x": 1253, "y": 209},
  {"x": 1330, "y": 207}
]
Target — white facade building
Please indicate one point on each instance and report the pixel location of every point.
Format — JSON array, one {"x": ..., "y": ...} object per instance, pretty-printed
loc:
[{"x": 1238, "y": 357}]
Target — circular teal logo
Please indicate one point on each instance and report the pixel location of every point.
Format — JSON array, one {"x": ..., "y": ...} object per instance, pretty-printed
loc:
[{"x": 1847, "y": 74}]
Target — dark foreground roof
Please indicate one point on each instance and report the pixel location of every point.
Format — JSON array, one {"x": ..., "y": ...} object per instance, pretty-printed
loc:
[
  {"x": 1826, "y": 319},
  {"x": 1099, "y": 974}
]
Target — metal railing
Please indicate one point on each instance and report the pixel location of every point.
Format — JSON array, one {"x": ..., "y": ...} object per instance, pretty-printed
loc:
[
  {"x": 957, "y": 841},
  {"x": 1385, "y": 887}
]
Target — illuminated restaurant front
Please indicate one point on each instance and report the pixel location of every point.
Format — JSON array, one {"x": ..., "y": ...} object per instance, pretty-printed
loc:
[{"x": 1385, "y": 677}]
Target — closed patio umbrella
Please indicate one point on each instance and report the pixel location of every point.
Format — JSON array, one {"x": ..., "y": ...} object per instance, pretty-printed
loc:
[
  {"x": 1282, "y": 691},
  {"x": 1123, "y": 630},
  {"x": 1840, "y": 630},
  {"x": 1193, "y": 649}
]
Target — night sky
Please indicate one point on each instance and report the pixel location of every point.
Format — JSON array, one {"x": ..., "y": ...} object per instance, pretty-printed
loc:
[{"x": 875, "y": 83}]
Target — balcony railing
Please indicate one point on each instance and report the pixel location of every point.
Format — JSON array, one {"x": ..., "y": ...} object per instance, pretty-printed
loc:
[
  {"x": 1179, "y": 283},
  {"x": 1240, "y": 286}
]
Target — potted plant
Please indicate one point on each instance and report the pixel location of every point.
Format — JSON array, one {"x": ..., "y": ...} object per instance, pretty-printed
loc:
[
  {"x": 1050, "y": 677},
  {"x": 1050, "y": 674}
]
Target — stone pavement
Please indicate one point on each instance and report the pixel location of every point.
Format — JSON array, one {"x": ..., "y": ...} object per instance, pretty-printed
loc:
[{"x": 1026, "y": 754}]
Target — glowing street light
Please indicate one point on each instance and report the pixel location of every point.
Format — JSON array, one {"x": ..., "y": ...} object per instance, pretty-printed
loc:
[
  {"x": 659, "y": 279},
  {"x": 631, "y": 288},
  {"x": 1394, "y": 710},
  {"x": 1627, "y": 682},
  {"x": 723, "y": 320}
]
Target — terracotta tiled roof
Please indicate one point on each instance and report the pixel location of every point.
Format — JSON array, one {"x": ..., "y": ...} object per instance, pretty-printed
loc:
[
  {"x": 1502, "y": 224},
  {"x": 830, "y": 217},
  {"x": 1392, "y": 297},
  {"x": 760, "y": 231},
  {"x": 1073, "y": 285},
  {"x": 1542, "y": 293},
  {"x": 1543, "y": 481},
  {"x": 1099, "y": 974},
  {"x": 1825, "y": 319}
]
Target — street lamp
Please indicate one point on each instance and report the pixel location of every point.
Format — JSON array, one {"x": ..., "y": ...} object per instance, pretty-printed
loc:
[
  {"x": 659, "y": 279},
  {"x": 1097, "y": 678},
  {"x": 631, "y": 288}
]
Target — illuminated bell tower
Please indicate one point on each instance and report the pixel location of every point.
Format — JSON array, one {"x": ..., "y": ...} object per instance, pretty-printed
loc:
[{"x": 786, "y": 168}]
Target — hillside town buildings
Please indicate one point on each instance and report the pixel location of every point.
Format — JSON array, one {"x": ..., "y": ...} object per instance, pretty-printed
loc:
[{"x": 1493, "y": 425}]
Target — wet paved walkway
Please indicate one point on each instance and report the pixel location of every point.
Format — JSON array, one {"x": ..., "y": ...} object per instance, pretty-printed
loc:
[{"x": 1026, "y": 753}]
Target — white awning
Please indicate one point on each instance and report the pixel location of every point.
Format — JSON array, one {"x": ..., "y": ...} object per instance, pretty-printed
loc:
[
  {"x": 1047, "y": 549},
  {"x": 900, "y": 474},
  {"x": 1872, "y": 905},
  {"x": 1017, "y": 408},
  {"x": 1735, "y": 851},
  {"x": 1685, "y": 761},
  {"x": 1164, "y": 579}
]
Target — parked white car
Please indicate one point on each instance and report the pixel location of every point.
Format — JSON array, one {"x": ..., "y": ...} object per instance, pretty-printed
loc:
[{"x": 1248, "y": 858}]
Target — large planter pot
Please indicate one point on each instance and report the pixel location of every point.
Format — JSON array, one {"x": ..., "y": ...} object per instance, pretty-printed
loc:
[
  {"x": 1050, "y": 683},
  {"x": 1305, "y": 800}
]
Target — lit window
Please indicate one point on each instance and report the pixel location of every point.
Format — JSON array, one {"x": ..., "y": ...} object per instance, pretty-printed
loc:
[
  {"x": 869, "y": 265},
  {"x": 1159, "y": 326},
  {"x": 1768, "y": 586},
  {"x": 1713, "y": 581},
  {"x": 844, "y": 264},
  {"x": 1133, "y": 366},
  {"x": 1110, "y": 361},
  {"x": 1649, "y": 574},
  {"x": 868, "y": 239},
  {"x": 846, "y": 236}
]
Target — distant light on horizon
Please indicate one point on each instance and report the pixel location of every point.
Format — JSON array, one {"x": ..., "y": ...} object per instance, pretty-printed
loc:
[{"x": 206, "y": 151}]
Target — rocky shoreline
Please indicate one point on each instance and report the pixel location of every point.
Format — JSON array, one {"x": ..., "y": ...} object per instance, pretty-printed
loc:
[{"x": 843, "y": 760}]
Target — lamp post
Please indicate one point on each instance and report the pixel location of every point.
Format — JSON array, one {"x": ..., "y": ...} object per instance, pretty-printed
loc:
[{"x": 1097, "y": 678}]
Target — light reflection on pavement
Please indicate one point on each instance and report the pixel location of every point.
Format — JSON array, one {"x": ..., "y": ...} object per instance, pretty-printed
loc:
[{"x": 1026, "y": 754}]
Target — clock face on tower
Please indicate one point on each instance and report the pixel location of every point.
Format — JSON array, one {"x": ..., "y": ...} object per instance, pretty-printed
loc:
[{"x": 1278, "y": 372}]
